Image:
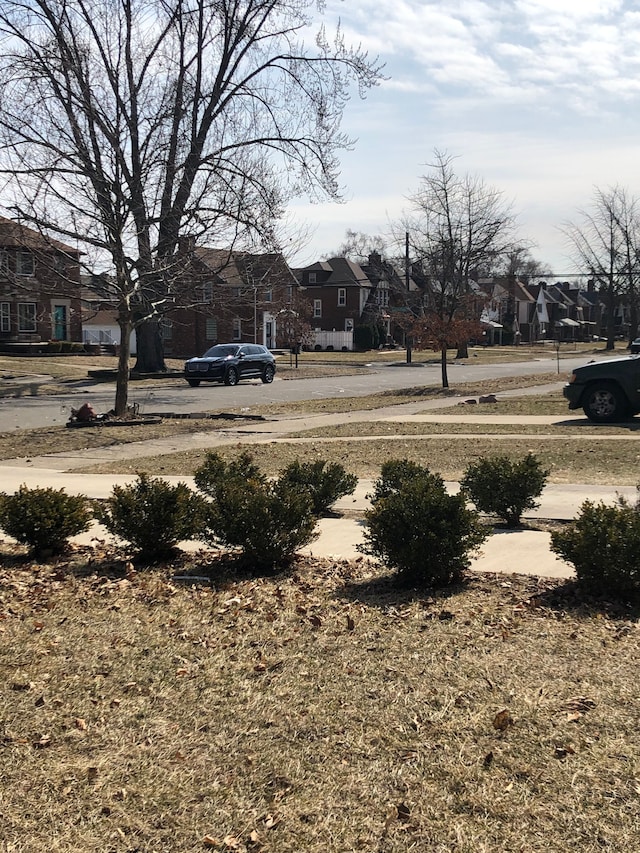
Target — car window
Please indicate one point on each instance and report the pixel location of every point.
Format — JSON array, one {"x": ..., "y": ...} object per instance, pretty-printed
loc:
[{"x": 221, "y": 351}]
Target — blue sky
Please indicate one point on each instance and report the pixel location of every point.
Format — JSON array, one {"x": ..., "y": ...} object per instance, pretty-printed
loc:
[{"x": 539, "y": 98}]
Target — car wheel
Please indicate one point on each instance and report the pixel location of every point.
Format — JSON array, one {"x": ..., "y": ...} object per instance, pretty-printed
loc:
[
  {"x": 193, "y": 382},
  {"x": 231, "y": 376},
  {"x": 605, "y": 403},
  {"x": 267, "y": 374}
]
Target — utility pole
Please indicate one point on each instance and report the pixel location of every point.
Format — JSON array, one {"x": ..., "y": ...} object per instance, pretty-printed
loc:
[{"x": 407, "y": 338}]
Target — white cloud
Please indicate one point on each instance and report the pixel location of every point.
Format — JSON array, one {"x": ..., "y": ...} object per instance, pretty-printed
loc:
[{"x": 537, "y": 97}]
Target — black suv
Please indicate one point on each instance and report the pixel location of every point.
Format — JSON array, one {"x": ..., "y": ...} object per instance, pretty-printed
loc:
[
  {"x": 229, "y": 363},
  {"x": 607, "y": 391}
]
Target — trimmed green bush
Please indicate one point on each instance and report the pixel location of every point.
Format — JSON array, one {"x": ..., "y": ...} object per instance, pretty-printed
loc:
[
  {"x": 603, "y": 544},
  {"x": 325, "y": 482},
  {"x": 269, "y": 521},
  {"x": 499, "y": 486},
  {"x": 415, "y": 527},
  {"x": 394, "y": 474},
  {"x": 44, "y": 519},
  {"x": 153, "y": 515}
]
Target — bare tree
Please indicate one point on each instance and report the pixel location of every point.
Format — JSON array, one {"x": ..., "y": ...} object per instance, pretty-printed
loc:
[
  {"x": 606, "y": 242},
  {"x": 358, "y": 246},
  {"x": 458, "y": 225},
  {"x": 136, "y": 126}
]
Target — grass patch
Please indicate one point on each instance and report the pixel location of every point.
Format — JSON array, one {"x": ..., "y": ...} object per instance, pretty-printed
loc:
[
  {"x": 603, "y": 462},
  {"x": 318, "y": 711}
]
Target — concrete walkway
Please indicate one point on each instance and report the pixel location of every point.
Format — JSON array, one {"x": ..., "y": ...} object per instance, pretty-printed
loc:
[{"x": 519, "y": 551}]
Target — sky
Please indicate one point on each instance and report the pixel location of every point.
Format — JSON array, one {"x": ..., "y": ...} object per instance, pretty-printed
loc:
[{"x": 538, "y": 98}]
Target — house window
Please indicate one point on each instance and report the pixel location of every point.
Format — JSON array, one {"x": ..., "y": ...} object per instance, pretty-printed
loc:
[
  {"x": 26, "y": 316},
  {"x": 268, "y": 296},
  {"x": 237, "y": 329},
  {"x": 4, "y": 260},
  {"x": 211, "y": 329},
  {"x": 317, "y": 307},
  {"x": 24, "y": 263},
  {"x": 342, "y": 296},
  {"x": 236, "y": 291},
  {"x": 5, "y": 317},
  {"x": 348, "y": 324},
  {"x": 207, "y": 292},
  {"x": 312, "y": 278},
  {"x": 289, "y": 292},
  {"x": 166, "y": 330}
]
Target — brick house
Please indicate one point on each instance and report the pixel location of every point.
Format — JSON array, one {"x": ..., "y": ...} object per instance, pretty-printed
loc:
[
  {"x": 39, "y": 288},
  {"x": 341, "y": 295},
  {"x": 228, "y": 296}
]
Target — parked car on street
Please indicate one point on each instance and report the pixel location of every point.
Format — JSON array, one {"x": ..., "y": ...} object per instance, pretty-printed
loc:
[
  {"x": 229, "y": 363},
  {"x": 607, "y": 391},
  {"x": 635, "y": 346}
]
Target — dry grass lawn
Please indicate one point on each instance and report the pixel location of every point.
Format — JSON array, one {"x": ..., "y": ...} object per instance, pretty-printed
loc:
[
  {"x": 323, "y": 710},
  {"x": 319, "y": 711}
]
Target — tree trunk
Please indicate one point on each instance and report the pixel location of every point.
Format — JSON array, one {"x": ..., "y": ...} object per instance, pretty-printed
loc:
[
  {"x": 463, "y": 350},
  {"x": 443, "y": 365},
  {"x": 150, "y": 352},
  {"x": 122, "y": 379},
  {"x": 633, "y": 320}
]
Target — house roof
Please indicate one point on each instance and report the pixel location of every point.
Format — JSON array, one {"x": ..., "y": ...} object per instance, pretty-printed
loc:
[
  {"x": 342, "y": 272},
  {"x": 13, "y": 235},
  {"x": 238, "y": 268}
]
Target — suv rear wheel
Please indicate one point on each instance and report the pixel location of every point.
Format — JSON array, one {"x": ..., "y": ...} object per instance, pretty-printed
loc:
[
  {"x": 267, "y": 374},
  {"x": 604, "y": 402}
]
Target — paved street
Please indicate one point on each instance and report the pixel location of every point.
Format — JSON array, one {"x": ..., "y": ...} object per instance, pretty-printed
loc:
[{"x": 33, "y": 411}]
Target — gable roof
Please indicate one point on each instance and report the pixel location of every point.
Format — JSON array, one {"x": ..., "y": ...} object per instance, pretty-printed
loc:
[
  {"x": 16, "y": 236},
  {"x": 342, "y": 273},
  {"x": 238, "y": 268}
]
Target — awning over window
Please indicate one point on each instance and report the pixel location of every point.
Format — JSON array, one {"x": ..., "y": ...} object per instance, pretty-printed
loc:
[{"x": 567, "y": 321}]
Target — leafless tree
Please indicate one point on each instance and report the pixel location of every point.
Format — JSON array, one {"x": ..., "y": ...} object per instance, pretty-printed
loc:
[
  {"x": 136, "y": 126},
  {"x": 606, "y": 242},
  {"x": 457, "y": 225}
]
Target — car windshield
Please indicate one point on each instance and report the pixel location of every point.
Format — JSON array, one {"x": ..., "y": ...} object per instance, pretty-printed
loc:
[{"x": 221, "y": 351}]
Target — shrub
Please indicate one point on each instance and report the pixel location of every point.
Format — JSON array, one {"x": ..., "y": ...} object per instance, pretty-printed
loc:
[
  {"x": 603, "y": 544},
  {"x": 418, "y": 529},
  {"x": 214, "y": 472},
  {"x": 152, "y": 515},
  {"x": 268, "y": 520},
  {"x": 363, "y": 337},
  {"x": 44, "y": 519},
  {"x": 394, "y": 474},
  {"x": 325, "y": 482},
  {"x": 502, "y": 487}
]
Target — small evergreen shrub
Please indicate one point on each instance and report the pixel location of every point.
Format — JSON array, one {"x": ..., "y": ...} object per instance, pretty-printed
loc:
[
  {"x": 325, "y": 482},
  {"x": 394, "y": 474},
  {"x": 267, "y": 520},
  {"x": 214, "y": 471},
  {"x": 415, "y": 527},
  {"x": 603, "y": 544},
  {"x": 499, "y": 486},
  {"x": 44, "y": 519},
  {"x": 153, "y": 515}
]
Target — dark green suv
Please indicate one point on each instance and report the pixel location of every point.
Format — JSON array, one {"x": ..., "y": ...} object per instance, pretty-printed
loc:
[{"x": 606, "y": 391}]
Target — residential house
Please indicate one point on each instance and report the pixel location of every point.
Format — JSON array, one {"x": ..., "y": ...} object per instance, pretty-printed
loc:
[
  {"x": 510, "y": 309},
  {"x": 345, "y": 294},
  {"x": 227, "y": 296},
  {"x": 39, "y": 288}
]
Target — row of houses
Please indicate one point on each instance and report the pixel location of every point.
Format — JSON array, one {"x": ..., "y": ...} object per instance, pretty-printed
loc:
[{"x": 238, "y": 296}]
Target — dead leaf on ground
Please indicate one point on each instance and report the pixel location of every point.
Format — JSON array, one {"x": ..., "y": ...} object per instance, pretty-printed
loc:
[{"x": 502, "y": 720}]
